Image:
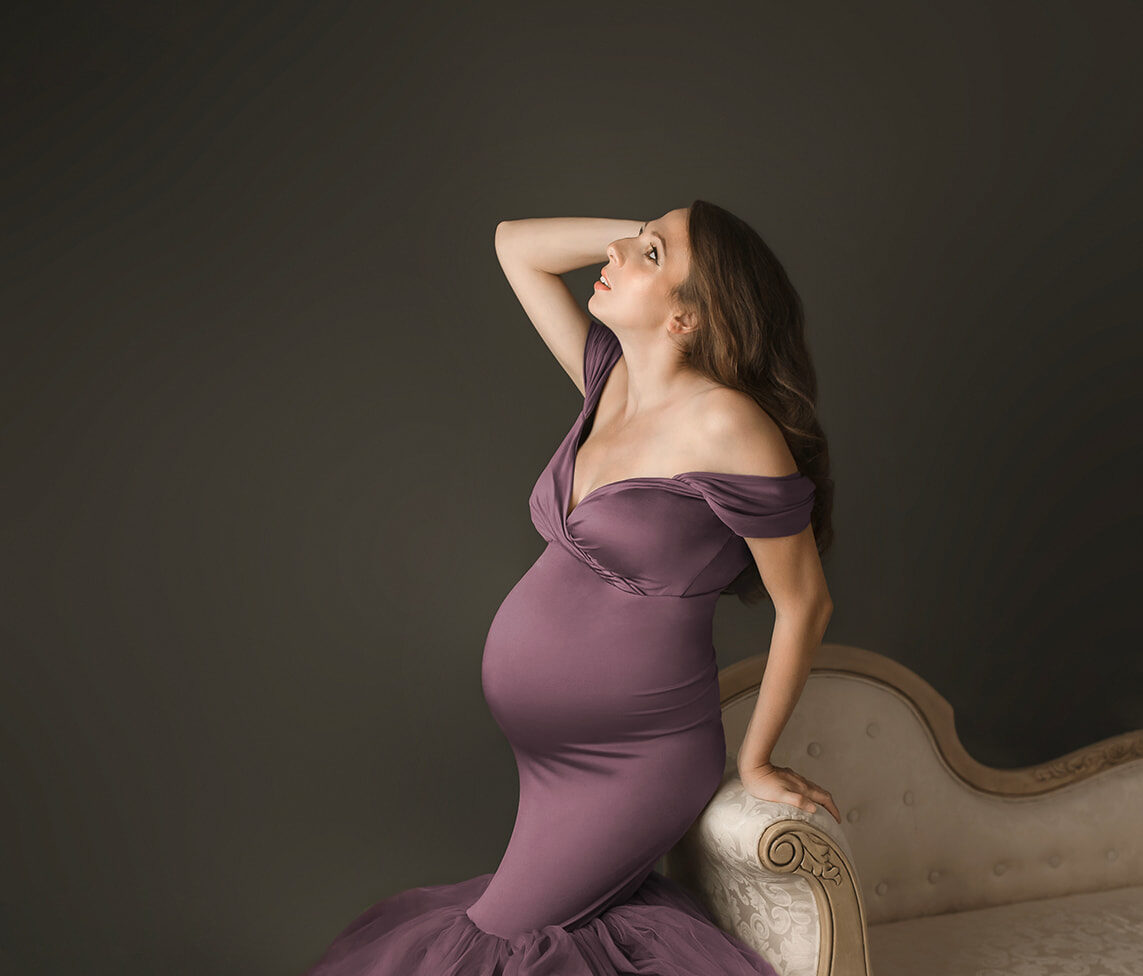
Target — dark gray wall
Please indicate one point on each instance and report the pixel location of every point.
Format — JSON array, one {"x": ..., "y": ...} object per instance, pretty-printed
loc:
[{"x": 271, "y": 413}]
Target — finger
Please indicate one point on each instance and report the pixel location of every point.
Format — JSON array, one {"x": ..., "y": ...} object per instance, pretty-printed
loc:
[
  {"x": 822, "y": 796},
  {"x": 807, "y": 803},
  {"x": 818, "y": 793},
  {"x": 827, "y": 801},
  {"x": 811, "y": 788},
  {"x": 801, "y": 802}
]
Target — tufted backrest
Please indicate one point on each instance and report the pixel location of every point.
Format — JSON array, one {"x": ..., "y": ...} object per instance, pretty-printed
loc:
[{"x": 931, "y": 829}]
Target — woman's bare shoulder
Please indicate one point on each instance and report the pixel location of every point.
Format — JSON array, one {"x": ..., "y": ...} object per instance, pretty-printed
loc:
[{"x": 740, "y": 437}]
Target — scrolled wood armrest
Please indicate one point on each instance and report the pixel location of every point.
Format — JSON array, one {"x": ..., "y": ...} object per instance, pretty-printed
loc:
[{"x": 779, "y": 878}]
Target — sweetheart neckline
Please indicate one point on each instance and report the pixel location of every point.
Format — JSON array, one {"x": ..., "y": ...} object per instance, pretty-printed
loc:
[{"x": 675, "y": 477}]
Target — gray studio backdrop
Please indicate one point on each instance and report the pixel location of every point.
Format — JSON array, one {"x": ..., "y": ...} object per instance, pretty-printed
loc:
[{"x": 271, "y": 413}]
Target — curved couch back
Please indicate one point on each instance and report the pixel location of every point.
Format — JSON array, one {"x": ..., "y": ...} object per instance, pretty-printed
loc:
[{"x": 931, "y": 829}]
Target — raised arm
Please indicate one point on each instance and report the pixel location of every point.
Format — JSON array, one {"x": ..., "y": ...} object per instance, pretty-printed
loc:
[{"x": 534, "y": 252}]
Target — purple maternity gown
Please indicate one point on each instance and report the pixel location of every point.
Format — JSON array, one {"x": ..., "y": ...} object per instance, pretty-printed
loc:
[{"x": 599, "y": 668}]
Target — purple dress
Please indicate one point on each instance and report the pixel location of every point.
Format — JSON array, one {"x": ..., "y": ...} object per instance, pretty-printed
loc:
[{"x": 600, "y": 669}]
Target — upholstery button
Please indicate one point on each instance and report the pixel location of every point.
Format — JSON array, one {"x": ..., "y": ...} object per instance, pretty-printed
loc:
[
  {"x": 814, "y": 749},
  {"x": 907, "y": 799},
  {"x": 933, "y": 875},
  {"x": 881, "y": 888},
  {"x": 1054, "y": 860},
  {"x": 999, "y": 867},
  {"x": 1111, "y": 854},
  {"x": 872, "y": 729},
  {"x": 853, "y": 815}
]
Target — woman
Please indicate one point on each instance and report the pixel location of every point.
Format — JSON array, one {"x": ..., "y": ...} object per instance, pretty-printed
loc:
[{"x": 598, "y": 666}]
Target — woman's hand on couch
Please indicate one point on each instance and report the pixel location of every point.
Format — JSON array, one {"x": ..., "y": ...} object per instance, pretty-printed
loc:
[{"x": 781, "y": 784}]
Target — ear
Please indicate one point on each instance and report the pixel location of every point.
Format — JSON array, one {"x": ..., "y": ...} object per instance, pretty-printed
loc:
[{"x": 683, "y": 322}]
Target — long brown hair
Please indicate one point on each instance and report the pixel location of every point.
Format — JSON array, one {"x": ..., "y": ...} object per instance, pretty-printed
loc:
[{"x": 752, "y": 338}]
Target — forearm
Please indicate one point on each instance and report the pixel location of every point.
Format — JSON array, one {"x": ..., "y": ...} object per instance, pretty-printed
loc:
[
  {"x": 796, "y": 637},
  {"x": 561, "y": 244}
]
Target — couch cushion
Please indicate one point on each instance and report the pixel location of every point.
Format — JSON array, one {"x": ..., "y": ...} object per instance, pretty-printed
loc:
[{"x": 1094, "y": 934}]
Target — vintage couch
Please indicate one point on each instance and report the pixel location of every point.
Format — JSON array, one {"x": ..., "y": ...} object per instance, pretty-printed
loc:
[{"x": 941, "y": 865}]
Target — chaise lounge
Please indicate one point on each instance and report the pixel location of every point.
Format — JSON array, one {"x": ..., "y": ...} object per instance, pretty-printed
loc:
[{"x": 941, "y": 866}]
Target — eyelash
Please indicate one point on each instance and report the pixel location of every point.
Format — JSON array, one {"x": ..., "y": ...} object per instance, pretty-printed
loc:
[{"x": 653, "y": 248}]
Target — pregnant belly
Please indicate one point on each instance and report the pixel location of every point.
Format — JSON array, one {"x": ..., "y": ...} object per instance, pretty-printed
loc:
[{"x": 571, "y": 659}]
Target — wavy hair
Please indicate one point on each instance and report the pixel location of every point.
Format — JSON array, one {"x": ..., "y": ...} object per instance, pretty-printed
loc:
[{"x": 752, "y": 339}]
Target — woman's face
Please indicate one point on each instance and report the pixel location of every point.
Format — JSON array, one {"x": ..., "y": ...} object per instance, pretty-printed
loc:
[{"x": 641, "y": 271}]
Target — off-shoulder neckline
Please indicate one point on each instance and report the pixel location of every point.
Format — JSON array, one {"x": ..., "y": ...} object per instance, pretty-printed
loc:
[
  {"x": 591, "y": 404},
  {"x": 679, "y": 478}
]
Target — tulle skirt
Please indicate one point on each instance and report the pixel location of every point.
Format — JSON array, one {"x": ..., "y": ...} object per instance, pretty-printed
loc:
[{"x": 660, "y": 931}]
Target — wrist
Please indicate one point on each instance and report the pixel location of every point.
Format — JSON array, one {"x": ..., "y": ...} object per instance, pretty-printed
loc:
[{"x": 754, "y": 764}]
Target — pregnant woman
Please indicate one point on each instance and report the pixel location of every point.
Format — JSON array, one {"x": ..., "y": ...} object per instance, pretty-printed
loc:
[{"x": 696, "y": 467}]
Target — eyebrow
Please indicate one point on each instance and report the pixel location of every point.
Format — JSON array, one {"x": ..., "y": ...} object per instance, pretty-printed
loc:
[{"x": 662, "y": 243}]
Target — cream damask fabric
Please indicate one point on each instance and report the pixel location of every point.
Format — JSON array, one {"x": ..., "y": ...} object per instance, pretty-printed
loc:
[{"x": 774, "y": 913}]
